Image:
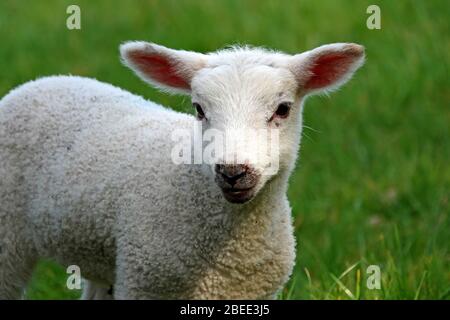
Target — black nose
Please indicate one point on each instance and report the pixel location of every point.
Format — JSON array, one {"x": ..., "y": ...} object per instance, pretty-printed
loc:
[{"x": 231, "y": 173}]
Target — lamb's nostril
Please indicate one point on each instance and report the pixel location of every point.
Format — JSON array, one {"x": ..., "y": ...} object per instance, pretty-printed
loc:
[
  {"x": 231, "y": 173},
  {"x": 234, "y": 178}
]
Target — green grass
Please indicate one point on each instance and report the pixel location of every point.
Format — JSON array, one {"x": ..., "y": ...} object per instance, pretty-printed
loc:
[{"x": 372, "y": 186}]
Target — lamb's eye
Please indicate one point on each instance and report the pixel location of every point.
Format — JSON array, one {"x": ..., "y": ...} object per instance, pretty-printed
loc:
[
  {"x": 282, "y": 110},
  {"x": 200, "y": 113}
]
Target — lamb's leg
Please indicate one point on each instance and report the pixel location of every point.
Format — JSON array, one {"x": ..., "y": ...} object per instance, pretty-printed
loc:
[
  {"x": 94, "y": 291},
  {"x": 17, "y": 257},
  {"x": 17, "y": 251}
]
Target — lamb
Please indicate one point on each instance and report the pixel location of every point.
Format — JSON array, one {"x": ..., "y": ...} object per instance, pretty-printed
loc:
[{"x": 88, "y": 177}]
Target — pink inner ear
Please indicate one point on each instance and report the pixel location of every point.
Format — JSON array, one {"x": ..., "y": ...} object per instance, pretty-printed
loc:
[
  {"x": 327, "y": 69},
  {"x": 159, "y": 69}
]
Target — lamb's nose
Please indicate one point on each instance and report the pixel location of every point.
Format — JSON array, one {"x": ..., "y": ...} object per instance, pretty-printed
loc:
[{"x": 231, "y": 173}]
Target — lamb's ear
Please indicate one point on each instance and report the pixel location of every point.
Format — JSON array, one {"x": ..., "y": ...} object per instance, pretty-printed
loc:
[
  {"x": 327, "y": 67},
  {"x": 167, "y": 69}
]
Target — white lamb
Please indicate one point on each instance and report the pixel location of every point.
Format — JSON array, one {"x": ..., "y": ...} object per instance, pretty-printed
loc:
[{"x": 87, "y": 175}]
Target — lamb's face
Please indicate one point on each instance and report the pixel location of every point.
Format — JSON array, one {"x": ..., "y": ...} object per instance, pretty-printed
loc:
[
  {"x": 248, "y": 102},
  {"x": 253, "y": 113}
]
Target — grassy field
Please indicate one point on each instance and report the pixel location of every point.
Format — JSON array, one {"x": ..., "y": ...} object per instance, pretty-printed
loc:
[{"x": 372, "y": 186}]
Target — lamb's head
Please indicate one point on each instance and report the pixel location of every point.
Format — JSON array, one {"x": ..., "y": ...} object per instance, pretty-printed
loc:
[{"x": 248, "y": 102}]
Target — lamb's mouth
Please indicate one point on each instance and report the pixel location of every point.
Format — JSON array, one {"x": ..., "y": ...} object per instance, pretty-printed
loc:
[{"x": 238, "y": 195}]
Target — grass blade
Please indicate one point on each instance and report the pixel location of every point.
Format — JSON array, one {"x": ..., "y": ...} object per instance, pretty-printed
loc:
[
  {"x": 419, "y": 288},
  {"x": 343, "y": 287}
]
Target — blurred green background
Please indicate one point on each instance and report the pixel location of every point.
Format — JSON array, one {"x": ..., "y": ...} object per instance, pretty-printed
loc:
[{"x": 372, "y": 186}]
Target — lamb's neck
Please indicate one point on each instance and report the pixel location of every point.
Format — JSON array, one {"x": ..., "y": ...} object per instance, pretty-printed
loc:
[{"x": 259, "y": 249}]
